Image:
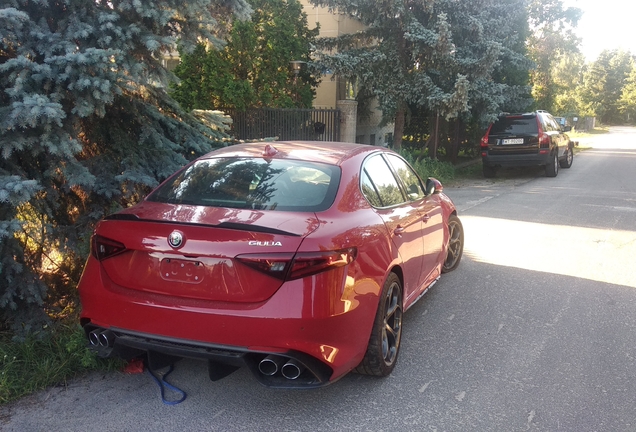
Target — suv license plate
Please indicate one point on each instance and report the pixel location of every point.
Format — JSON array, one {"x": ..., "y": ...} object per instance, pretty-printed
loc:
[{"x": 512, "y": 141}]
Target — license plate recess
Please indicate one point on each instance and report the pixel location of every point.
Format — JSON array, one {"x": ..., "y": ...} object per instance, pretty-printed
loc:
[{"x": 180, "y": 270}]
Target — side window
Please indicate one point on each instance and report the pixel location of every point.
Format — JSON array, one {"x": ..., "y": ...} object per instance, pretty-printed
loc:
[
  {"x": 555, "y": 125},
  {"x": 369, "y": 191},
  {"x": 378, "y": 174},
  {"x": 414, "y": 188},
  {"x": 545, "y": 124},
  {"x": 551, "y": 124}
]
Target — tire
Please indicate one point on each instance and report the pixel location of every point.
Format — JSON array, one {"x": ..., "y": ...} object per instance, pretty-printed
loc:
[
  {"x": 455, "y": 244},
  {"x": 552, "y": 168},
  {"x": 489, "y": 171},
  {"x": 384, "y": 343},
  {"x": 567, "y": 162}
]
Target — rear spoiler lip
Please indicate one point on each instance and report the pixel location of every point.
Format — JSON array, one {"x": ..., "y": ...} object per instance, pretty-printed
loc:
[{"x": 225, "y": 225}]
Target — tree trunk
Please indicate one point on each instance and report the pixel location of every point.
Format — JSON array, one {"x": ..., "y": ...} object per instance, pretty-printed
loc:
[
  {"x": 398, "y": 129},
  {"x": 454, "y": 142},
  {"x": 434, "y": 142}
]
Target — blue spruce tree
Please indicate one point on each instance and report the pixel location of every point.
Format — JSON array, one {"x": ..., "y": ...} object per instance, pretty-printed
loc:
[{"x": 87, "y": 127}]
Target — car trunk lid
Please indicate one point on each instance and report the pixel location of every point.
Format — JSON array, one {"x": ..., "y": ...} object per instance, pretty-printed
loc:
[{"x": 190, "y": 251}]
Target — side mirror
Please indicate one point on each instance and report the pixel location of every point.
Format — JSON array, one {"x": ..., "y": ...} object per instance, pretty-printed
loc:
[{"x": 433, "y": 186}]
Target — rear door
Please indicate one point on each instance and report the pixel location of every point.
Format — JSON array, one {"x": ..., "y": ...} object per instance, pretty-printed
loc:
[
  {"x": 400, "y": 215},
  {"x": 558, "y": 138},
  {"x": 431, "y": 214}
]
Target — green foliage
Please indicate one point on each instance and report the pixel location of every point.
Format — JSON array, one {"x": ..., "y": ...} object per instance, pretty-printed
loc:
[
  {"x": 436, "y": 56},
  {"x": 427, "y": 167},
  {"x": 603, "y": 84},
  {"x": 36, "y": 363},
  {"x": 627, "y": 101},
  {"x": 567, "y": 79},
  {"x": 253, "y": 69},
  {"x": 86, "y": 127},
  {"x": 551, "y": 42}
]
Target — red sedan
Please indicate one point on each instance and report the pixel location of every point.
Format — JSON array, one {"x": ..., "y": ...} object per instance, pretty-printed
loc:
[{"x": 295, "y": 259}]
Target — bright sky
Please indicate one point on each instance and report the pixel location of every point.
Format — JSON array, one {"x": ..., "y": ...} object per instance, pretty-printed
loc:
[{"x": 606, "y": 24}]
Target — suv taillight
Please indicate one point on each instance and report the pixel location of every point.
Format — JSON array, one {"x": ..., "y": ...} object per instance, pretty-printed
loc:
[
  {"x": 484, "y": 142},
  {"x": 286, "y": 266},
  {"x": 544, "y": 138},
  {"x": 103, "y": 247}
]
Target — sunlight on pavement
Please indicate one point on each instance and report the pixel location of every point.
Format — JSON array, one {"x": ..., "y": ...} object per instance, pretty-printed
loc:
[{"x": 597, "y": 254}]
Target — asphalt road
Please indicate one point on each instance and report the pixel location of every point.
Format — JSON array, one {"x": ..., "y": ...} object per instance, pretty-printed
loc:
[{"x": 536, "y": 330}]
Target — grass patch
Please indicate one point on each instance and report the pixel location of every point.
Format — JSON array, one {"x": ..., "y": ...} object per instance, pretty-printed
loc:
[
  {"x": 53, "y": 359},
  {"x": 472, "y": 171},
  {"x": 583, "y": 134},
  {"x": 426, "y": 167}
]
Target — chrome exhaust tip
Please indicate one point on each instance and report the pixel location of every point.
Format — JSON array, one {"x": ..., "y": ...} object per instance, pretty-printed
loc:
[
  {"x": 93, "y": 337},
  {"x": 292, "y": 369},
  {"x": 270, "y": 364},
  {"x": 106, "y": 338}
]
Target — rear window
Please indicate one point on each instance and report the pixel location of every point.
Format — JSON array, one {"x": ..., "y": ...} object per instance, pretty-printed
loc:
[
  {"x": 517, "y": 125},
  {"x": 253, "y": 183}
]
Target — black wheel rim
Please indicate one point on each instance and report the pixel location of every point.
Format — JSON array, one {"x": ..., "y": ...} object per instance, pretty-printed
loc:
[
  {"x": 454, "y": 245},
  {"x": 570, "y": 157},
  {"x": 392, "y": 330}
]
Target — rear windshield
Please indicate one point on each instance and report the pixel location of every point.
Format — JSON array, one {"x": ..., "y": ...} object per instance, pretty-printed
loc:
[
  {"x": 253, "y": 183},
  {"x": 517, "y": 125}
]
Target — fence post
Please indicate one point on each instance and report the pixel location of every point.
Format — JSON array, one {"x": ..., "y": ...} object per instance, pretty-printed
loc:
[{"x": 348, "y": 119}]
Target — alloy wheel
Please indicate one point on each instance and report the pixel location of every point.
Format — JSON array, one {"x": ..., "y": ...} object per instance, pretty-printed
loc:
[
  {"x": 454, "y": 244},
  {"x": 392, "y": 329}
]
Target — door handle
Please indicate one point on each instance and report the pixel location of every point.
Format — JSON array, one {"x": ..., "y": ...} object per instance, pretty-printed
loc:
[
  {"x": 426, "y": 218},
  {"x": 398, "y": 231}
]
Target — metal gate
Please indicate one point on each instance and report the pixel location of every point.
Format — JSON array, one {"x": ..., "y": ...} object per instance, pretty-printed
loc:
[{"x": 285, "y": 124}]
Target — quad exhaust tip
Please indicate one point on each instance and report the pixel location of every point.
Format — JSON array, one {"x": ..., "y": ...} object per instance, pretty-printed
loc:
[
  {"x": 101, "y": 338},
  {"x": 289, "y": 368},
  {"x": 269, "y": 365},
  {"x": 292, "y": 369}
]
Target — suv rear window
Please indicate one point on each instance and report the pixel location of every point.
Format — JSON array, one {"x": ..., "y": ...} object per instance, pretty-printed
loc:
[
  {"x": 515, "y": 125},
  {"x": 253, "y": 183}
]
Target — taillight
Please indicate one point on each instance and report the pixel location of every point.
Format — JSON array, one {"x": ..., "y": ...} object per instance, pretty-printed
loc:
[
  {"x": 103, "y": 247},
  {"x": 484, "y": 139},
  {"x": 544, "y": 138},
  {"x": 287, "y": 266}
]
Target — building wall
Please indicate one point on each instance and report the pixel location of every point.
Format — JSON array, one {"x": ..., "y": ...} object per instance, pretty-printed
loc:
[
  {"x": 330, "y": 88},
  {"x": 333, "y": 88}
]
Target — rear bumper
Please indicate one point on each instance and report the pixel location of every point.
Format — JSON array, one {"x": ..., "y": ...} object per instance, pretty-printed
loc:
[
  {"x": 512, "y": 160},
  {"x": 327, "y": 333},
  {"x": 302, "y": 370}
]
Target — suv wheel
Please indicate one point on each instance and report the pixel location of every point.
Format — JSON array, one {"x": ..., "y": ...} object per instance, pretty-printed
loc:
[
  {"x": 552, "y": 168},
  {"x": 567, "y": 162}
]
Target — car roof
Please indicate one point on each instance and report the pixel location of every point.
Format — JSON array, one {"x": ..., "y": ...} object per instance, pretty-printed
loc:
[
  {"x": 531, "y": 113},
  {"x": 329, "y": 152}
]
